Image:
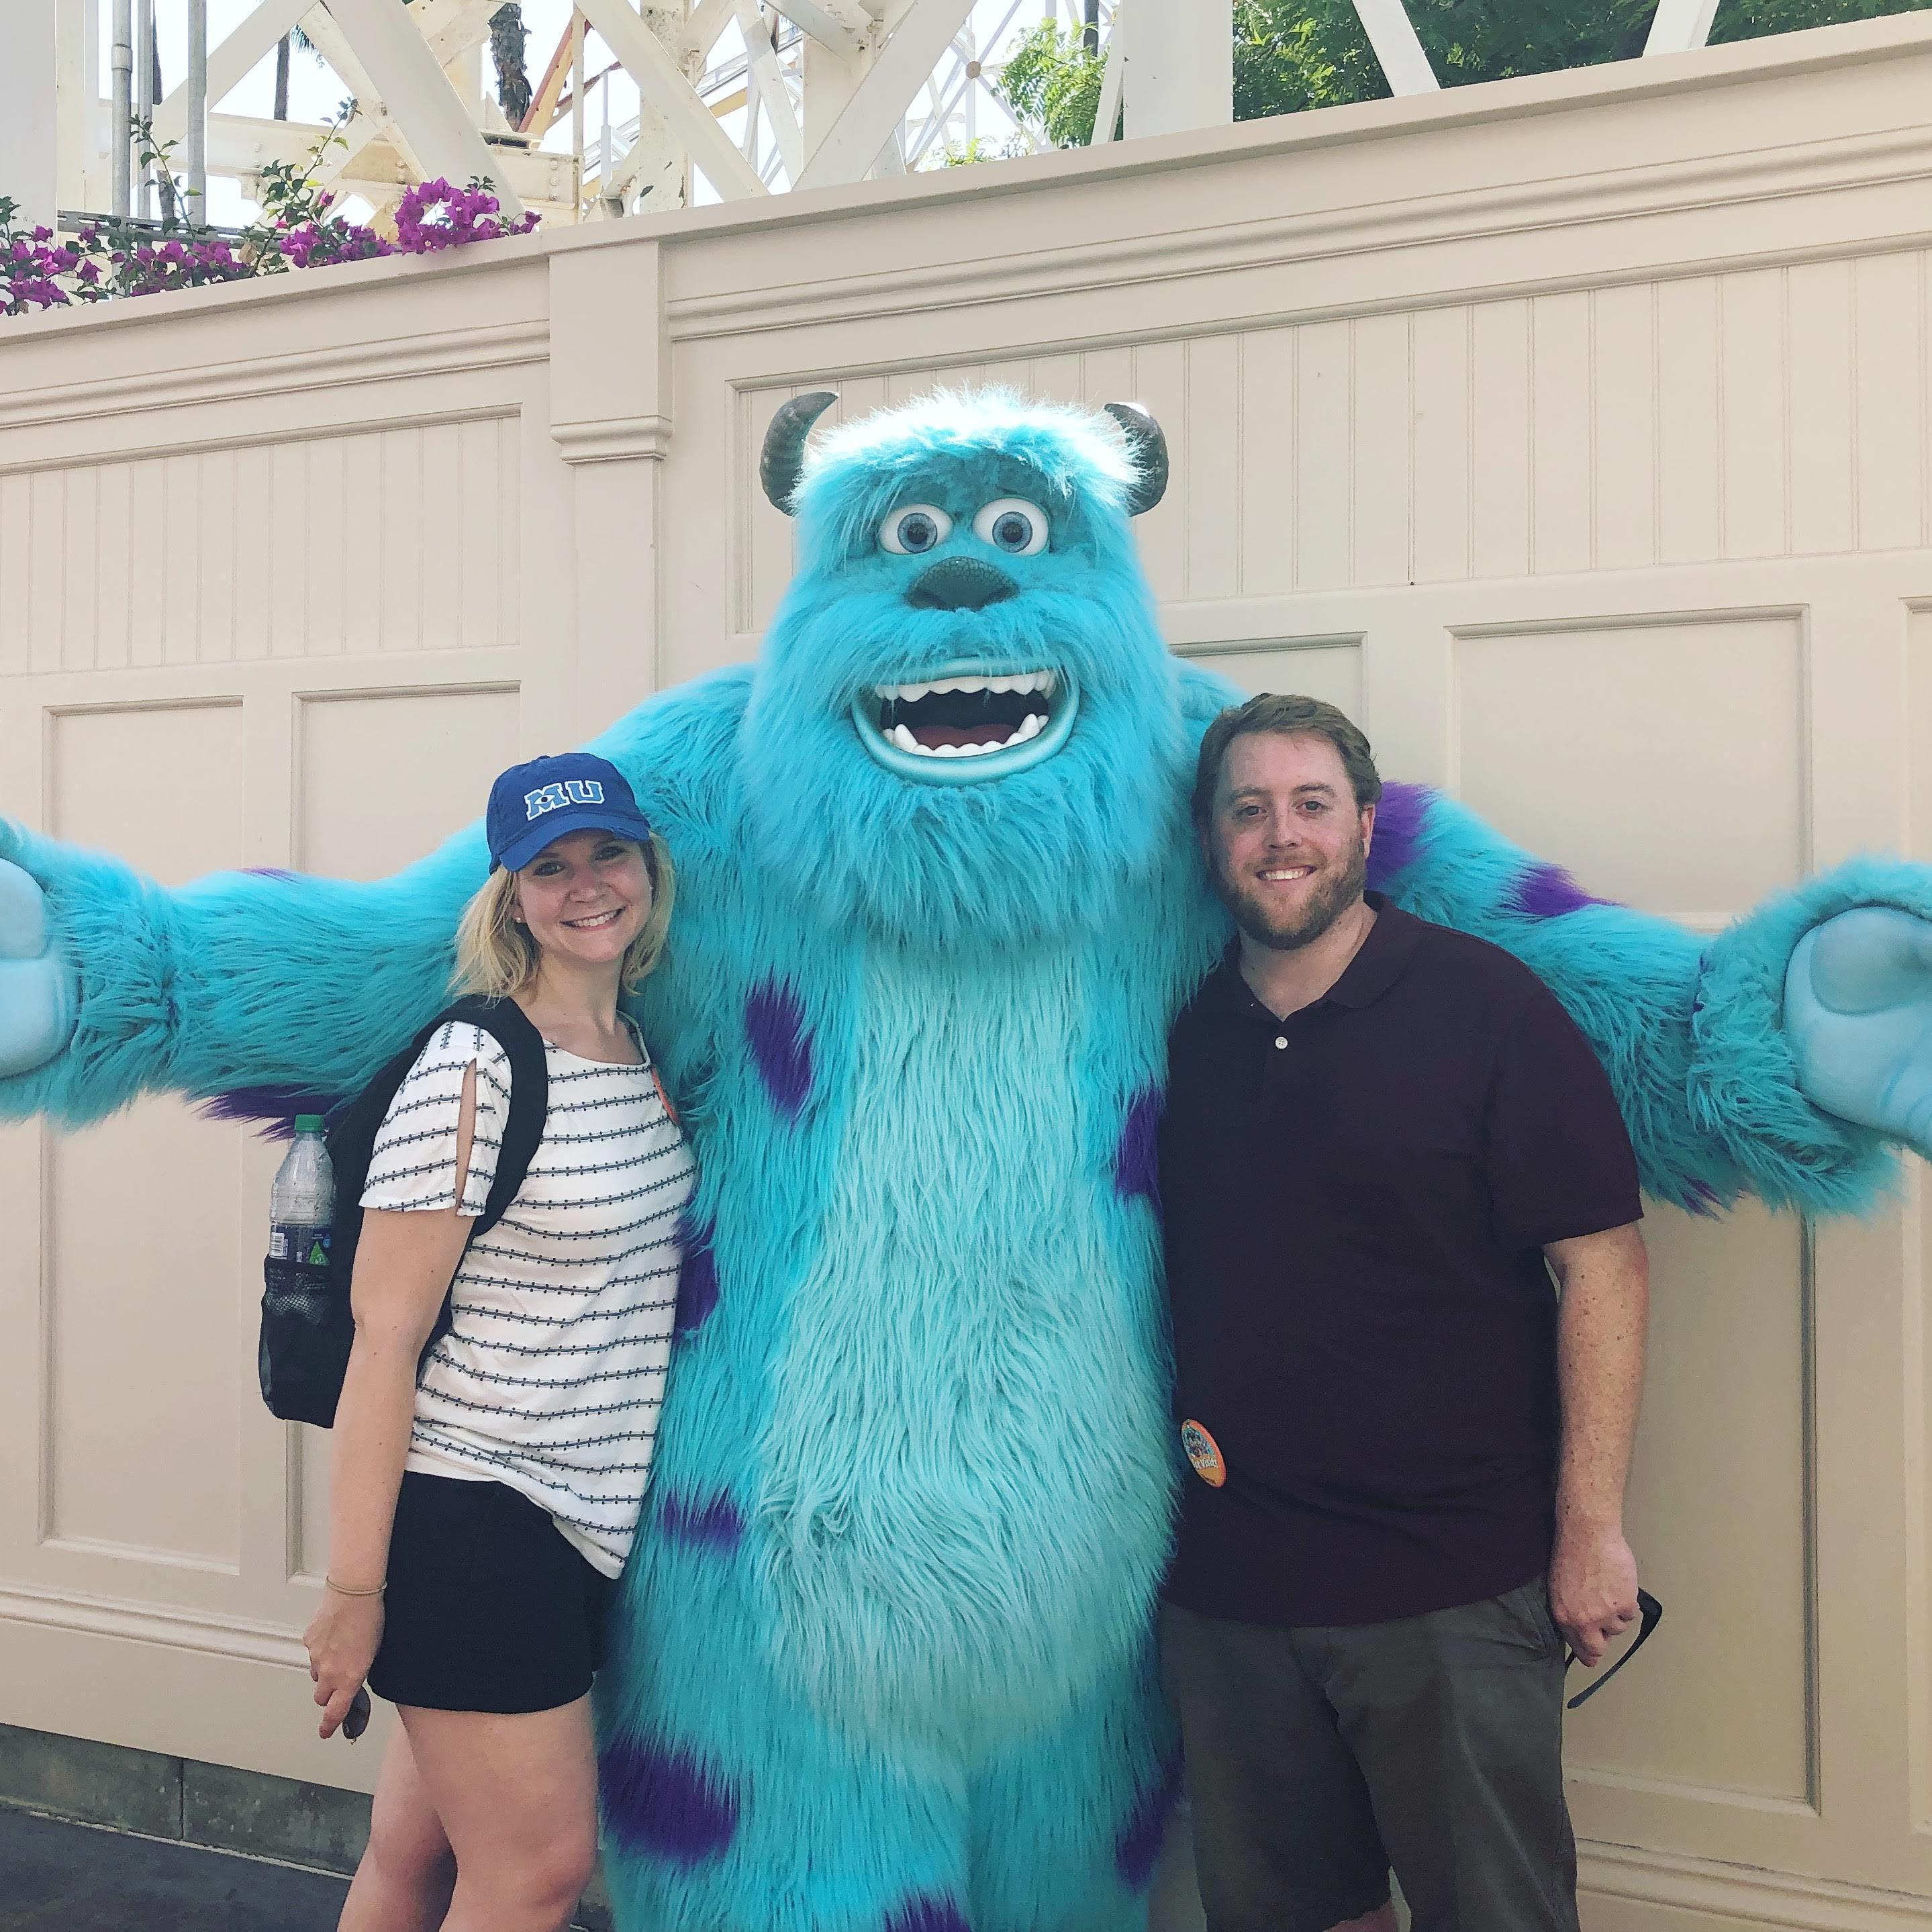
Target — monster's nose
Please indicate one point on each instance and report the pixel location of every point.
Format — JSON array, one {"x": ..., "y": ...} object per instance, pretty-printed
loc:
[{"x": 961, "y": 584}]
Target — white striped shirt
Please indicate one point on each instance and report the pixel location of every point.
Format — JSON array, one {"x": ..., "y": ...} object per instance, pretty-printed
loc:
[{"x": 551, "y": 1378}]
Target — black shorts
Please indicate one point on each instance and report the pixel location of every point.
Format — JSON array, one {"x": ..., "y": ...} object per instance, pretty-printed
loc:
[{"x": 488, "y": 1608}]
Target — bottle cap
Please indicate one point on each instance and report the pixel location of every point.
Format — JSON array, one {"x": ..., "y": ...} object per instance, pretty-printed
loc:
[{"x": 308, "y": 1123}]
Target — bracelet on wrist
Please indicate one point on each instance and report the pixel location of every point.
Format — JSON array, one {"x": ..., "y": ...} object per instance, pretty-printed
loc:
[{"x": 343, "y": 1590}]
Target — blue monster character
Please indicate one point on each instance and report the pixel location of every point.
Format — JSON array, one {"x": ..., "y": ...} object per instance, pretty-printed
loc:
[{"x": 884, "y": 1661}]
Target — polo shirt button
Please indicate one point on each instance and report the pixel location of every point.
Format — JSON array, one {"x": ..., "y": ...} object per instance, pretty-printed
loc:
[{"x": 1281, "y": 1042}]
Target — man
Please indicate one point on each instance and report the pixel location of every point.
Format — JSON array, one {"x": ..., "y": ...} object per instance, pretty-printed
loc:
[{"x": 1409, "y": 1455}]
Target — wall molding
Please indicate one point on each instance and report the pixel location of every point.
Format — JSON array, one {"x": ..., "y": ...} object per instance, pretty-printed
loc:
[
  {"x": 210, "y": 1634},
  {"x": 613, "y": 440},
  {"x": 1748, "y": 1896},
  {"x": 395, "y": 359},
  {"x": 1888, "y": 157}
]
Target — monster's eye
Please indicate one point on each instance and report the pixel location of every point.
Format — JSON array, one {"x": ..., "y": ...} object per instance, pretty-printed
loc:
[
  {"x": 910, "y": 532},
  {"x": 1013, "y": 525}
]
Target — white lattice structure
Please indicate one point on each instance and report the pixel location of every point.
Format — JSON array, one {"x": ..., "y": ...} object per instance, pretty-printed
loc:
[{"x": 749, "y": 97}]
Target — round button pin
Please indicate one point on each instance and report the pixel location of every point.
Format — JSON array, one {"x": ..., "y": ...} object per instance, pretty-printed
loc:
[
  {"x": 1281, "y": 1042},
  {"x": 1205, "y": 1453}
]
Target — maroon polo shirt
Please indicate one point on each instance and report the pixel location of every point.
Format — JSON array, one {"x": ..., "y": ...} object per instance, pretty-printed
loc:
[{"x": 1354, "y": 1201}]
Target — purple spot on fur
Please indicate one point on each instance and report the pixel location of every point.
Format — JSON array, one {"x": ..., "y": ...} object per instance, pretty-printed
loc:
[
  {"x": 697, "y": 1278},
  {"x": 775, "y": 1024},
  {"x": 1399, "y": 822},
  {"x": 1135, "y": 1167},
  {"x": 1701, "y": 1198},
  {"x": 930, "y": 1911},
  {"x": 713, "y": 1524},
  {"x": 1138, "y": 1849},
  {"x": 275, "y": 1107},
  {"x": 270, "y": 872},
  {"x": 665, "y": 1802},
  {"x": 1548, "y": 892}
]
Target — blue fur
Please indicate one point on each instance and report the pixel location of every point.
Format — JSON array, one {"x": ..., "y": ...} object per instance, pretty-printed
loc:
[{"x": 884, "y": 1659}]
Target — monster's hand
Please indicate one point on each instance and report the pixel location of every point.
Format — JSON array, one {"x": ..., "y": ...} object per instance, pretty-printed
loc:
[
  {"x": 1858, "y": 1011},
  {"x": 37, "y": 984}
]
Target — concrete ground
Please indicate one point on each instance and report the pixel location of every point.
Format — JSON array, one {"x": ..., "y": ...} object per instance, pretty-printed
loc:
[{"x": 58, "y": 1877}]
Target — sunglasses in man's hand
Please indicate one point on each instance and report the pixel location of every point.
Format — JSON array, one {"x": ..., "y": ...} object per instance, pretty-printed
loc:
[{"x": 1652, "y": 1612}]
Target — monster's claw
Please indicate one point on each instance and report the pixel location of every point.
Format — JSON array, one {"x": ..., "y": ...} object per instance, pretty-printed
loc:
[
  {"x": 36, "y": 991},
  {"x": 23, "y": 915},
  {"x": 1858, "y": 1013}
]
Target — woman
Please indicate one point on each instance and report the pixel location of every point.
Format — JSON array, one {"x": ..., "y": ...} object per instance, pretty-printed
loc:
[{"x": 480, "y": 1514}]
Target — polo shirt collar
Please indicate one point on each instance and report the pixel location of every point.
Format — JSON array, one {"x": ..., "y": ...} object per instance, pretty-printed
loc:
[{"x": 1384, "y": 957}]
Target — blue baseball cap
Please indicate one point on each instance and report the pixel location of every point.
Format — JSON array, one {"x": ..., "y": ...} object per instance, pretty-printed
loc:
[{"x": 531, "y": 804}]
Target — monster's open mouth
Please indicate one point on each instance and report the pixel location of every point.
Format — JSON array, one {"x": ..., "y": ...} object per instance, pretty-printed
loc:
[{"x": 966, "y": 723}]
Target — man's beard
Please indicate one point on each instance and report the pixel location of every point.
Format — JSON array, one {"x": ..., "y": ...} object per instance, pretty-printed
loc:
[{"x": 1281, "y": 932}]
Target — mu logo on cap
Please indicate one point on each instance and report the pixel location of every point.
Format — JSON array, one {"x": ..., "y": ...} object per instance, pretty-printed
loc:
[{"x": 555, "y": 797}]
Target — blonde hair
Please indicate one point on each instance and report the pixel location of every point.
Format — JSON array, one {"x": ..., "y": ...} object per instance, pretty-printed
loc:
[{"x": 497, "y": 956}]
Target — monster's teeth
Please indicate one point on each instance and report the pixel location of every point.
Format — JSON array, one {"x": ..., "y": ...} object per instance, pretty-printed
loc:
[
  {"x": 1035, "y": 724},
  {"x": 903, "y": 738},
  {"x": 1045, "y": 682}
]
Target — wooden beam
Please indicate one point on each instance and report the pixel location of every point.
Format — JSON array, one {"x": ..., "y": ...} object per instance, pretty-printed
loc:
[
  {"x": 452, "y": 27},
  {"x": 418, "y": 95},
  {"x": 774, "y": 97},
  {"x": 1107, "y": 114},
  {"x": 661, "y": 82},
  {"x": 824, "y": 27},
  {"x": 709, "y": 19},
  {"x": 230, "y": 63},
  {"x": 330, "y": 41},
  {"x": 878, "y": 104},
  {"x": 1679, "y": 26},
  {"x": 541, "y": 115},
  {"x": 1392, "y": 34},
  {"x": 239, "y": 145}
]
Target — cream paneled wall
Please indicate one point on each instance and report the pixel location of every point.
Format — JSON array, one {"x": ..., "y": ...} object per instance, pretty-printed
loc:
[
  {"x": 396, "y": 541},
  {"x": 1773, "y": 413},
  {"x": 1574, "y": 434}
]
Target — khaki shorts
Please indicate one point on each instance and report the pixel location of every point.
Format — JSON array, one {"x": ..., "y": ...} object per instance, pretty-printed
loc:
[{"x": 1319, "y": 1758}]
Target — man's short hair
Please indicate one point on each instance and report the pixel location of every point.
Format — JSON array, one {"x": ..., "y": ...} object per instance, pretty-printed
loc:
[{"x": 1290, "y": 716}]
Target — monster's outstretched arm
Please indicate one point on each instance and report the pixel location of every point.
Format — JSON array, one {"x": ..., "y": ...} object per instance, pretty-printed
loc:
[
  {"x": 112, "y": 986},
  {"x": 1743, "y": 1062},
  {"x": 239, "y": 980}
]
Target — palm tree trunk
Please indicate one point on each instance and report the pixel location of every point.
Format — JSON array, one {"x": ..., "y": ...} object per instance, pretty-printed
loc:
[
  {"x": 164, "y": 180},
  {"x": 282, "y": 79},
  {"x": 508, "y": 37}
]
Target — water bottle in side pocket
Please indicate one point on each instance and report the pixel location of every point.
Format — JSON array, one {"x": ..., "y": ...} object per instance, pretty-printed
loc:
[{"x": 301, "y": 1204}]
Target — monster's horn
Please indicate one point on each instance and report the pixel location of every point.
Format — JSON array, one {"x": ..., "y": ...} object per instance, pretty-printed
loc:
[
  {"x": 784, "y": 454},
  {"x": 1148, "y": 448}
]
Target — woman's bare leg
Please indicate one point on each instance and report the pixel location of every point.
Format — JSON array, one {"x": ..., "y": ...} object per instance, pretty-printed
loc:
[
  {"x": 403, "y": 1881},
  {"x": 517, "y": 1797}
]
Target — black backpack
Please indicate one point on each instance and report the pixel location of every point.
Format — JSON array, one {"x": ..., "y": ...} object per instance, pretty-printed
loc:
[{"x": 307, "y": 1324}]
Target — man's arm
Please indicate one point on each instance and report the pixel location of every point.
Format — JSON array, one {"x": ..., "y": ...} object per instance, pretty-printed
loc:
[{"x": 1604, "y": 1282}]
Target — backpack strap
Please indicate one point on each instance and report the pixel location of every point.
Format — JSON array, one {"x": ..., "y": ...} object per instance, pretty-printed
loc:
[{"x": 507, "y": 1024}]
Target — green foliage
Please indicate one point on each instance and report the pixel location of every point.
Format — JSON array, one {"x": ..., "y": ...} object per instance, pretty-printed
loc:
[
  {"x": 1290, "y": 55},
  {"x": 958, "y": 155},
  {"x": 1749, "y": 20},
  {"x": 1050, "y": 82}
]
